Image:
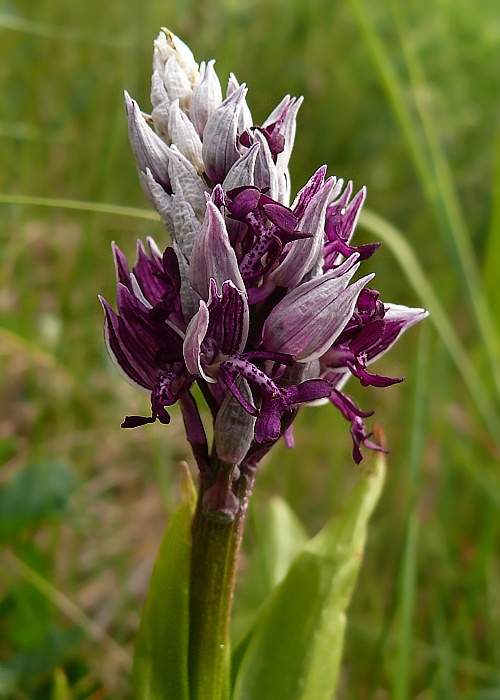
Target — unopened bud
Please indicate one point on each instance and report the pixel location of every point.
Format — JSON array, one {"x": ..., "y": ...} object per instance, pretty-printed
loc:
[{"x": 234, "y": 427}]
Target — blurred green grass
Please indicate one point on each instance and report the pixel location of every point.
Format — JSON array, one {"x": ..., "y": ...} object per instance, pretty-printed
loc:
[{"x": 402, "y": 97}]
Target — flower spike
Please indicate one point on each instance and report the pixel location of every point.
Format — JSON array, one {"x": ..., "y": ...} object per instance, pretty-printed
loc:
[{"x": 254, "y": 300}]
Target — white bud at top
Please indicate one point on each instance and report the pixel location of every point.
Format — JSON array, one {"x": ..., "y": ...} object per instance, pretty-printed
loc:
[
  {"x": 206, "y": 97},
  {"x": 177, "y": 83},
  {"x": 167, "y": 44}
]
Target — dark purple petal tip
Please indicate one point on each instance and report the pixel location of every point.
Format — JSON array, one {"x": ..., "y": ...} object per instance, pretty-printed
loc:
[{"x": 136, "y": 421}]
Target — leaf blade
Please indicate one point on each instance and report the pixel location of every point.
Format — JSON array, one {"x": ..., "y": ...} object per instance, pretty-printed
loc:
[
  {"x": 161, "y": 652},
  {"x": 298, "y": 657}
]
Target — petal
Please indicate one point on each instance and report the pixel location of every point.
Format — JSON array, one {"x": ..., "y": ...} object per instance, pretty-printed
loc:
[
  {"x": 190, "y": 299},
  {"x": 186, "y": 225},
  {"x": 186, "y": 182},
  {"x": 358, "y": 431},
  {"x": 121, "y": 265},
  {"x": 158, "y": 94},
  {"x": 310, "y": 390},
  {"x": 169, "y": 386},
  {"x": 158, "y": 198},
  {"x": 177, "y": 83},
  {"x": 206, "y": 97},
  {"x": 213, "y": 257},
  {"x": 266, "y": 175},
  {"x": 243, "y": 200},
  {"x": 149, "y": 150},
  {"x": 136, "y": 366},
  {"x": 195, "y": 335},
  {"x": 229, "y": 372},
  {"x": 268, "y": 424},
  {"x": 310, "y": 317},
  {"x": 245, "y": 120},
  {"x": 220, "y": 149},
  {"x": 268, "y": 427},
  {"x": 161, "y": 106},
  {"x": 150, "y": 276},
  {"x": 311, "y": 188},
  {"x": 281, "y": 216},
  {"x": 397, "y": 319},
  {"x": 341, "y": 221},
  {"x": 229, "y": 318},
  {"x": 152, "y": 338},
  {"x": 303, "y": 255},
  {"x": 136, "y": 421},
  {"x": 285, "y": 118},
  {"x": 367, "y": 336},
  {"x": 184, "y": 136},
  {"x": 368, "y": 379},
  {"x": 242, "y": 172},
  {"x": 347, "y": 406}
]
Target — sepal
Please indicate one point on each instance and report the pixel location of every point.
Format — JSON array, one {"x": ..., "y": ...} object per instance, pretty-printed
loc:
[
  {"x": 213, "y": 257},
  {"x": 206, "y": 97},
  {"x": 182, "y": 132},
  {"x": 303, "y": 255},
  {"x": 220, "y": 144},
  {"x": 310, "y": 317},
  {"x": 150, "y": 152}
]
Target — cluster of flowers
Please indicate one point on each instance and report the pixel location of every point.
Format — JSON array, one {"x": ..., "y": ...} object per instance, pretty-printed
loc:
[{"x": 253, "y": 300}]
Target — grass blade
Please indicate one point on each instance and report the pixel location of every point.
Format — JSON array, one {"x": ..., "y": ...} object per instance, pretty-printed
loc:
[
  {"x": 434, "y": 175},
  {"x": 77, "y": 205},
  {"x": 447, "y": 203},
  {"x": 407, "y": 590},
  {"x": 492, "y": 254}
]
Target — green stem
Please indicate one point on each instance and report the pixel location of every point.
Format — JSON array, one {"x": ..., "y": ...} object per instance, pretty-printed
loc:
[{"x": 214, "y": 558}]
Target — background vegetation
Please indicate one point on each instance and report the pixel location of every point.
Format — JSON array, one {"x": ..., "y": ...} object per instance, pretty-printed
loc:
[{"x": 400, "y": 96}]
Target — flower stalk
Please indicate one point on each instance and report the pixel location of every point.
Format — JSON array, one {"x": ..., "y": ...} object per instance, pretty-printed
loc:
[{"x": 214, "y": 559}]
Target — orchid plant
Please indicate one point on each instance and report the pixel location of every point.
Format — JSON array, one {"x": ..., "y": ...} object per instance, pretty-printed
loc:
[{"x": 254, "y": 303}]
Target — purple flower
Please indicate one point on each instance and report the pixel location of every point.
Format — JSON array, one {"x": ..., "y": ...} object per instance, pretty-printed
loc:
[{"x": 254, "y": 300}]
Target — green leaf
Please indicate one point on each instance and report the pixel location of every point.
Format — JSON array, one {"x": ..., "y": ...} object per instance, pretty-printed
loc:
[
  {"x": 295, "y": 648},
  {"x": 279, "y": 537},
  {"x": 161, "y": 649},
  {"x": 36, "y": 492}
]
